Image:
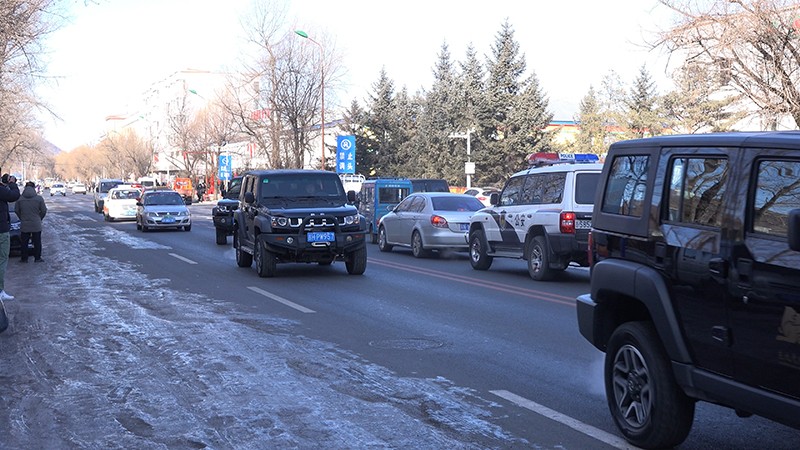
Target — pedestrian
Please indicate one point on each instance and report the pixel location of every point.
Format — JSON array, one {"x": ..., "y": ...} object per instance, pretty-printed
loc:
[
  {"x": 201, "y": 191},
  {"x": 31, "y": 209},
  {"x": 9, "y": 192}
]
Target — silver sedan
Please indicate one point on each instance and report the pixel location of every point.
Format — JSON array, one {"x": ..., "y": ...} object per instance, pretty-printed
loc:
[{"x": 428, "y": 221}]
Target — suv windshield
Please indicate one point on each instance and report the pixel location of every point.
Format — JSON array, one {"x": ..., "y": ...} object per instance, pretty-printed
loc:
[{"x": 302, "y": 186}]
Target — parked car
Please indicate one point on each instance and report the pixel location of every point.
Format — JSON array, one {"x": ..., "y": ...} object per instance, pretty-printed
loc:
[
  {"x": 120, "y": 203},
  {"x": 222, "y": 214},
  {"x": 58, "y": 188},
  {"x": 428, "y": 221},
  {"x": 483, "y": 194},
  {"x": 79, "y": 188},
  {"x": 543, "y": 216},
  {"x": 695, "y": 278},
  {"x": 162, "y": 209}
]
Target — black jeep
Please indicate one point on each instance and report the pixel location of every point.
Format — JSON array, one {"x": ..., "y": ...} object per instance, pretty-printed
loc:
[
  {"x": 297, "y": 216},
  {"x": 695, "y": 284},
  {"x": 222, "y": 214}
]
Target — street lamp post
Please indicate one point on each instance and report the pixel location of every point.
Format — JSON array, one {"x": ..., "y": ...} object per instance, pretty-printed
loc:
[
  {"x": 469, "y": 166},
  {"x": 304, "y": 35}
]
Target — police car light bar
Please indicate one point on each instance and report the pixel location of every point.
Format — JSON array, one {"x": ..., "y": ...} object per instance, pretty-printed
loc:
[{"x": 547, "y": 158}]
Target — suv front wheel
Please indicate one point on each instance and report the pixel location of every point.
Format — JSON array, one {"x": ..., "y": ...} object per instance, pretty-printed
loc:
[
  {"x": 647, "y": 404},
  {"x": 477, "y": 251},
  {"x": 266, "y": 262}
]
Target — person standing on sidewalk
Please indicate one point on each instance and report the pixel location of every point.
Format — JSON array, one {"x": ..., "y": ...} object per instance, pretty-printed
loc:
[
  {"x": 31, "y": 210},
  {"x": 9, "y": 192}
]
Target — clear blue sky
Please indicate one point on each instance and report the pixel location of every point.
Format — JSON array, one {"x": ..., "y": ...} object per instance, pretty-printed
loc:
[{"x": 111, "y": 51}]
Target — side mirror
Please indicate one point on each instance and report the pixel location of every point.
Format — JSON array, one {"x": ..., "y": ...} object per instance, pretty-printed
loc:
[
  {"x": 794, "y": 230},
  {"x": 351, "y": 197},
  {"x": 494, "y": 199},
  {"x": 249, "y": 198}
]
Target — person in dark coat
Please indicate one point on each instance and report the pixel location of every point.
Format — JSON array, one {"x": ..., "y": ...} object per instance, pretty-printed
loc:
[
  {"x": 31, "y": 209},
  {"x": 9, "y": 192}
]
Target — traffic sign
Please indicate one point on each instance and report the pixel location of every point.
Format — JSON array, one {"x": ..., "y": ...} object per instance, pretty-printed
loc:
[
  {"x": 346, "y": 154},
  {"x": 225, "y": 171}
]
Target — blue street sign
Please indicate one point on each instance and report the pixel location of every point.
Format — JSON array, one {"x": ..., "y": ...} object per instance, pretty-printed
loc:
[
  {"x": 225, "y": 171},
  {"x": 346, "y": 154}
]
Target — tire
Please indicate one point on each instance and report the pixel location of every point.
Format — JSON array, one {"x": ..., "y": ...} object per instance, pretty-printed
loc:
[
  {"x": 382, "y": 244},
  {"x": 645, "y": 401},
  {"x": 373, "y": 236},
  {"x": 477, "y": 251},
  {"x": 222, "y": 237},
  {"x": 539, "y": 260},
  {"x": 356, "y": 261},
  {"x": 266, "y": 262},
  {"x": 187, "y": 228},
  {"x": 243, "y": 259},
  {"x": 417, "y": 249}
]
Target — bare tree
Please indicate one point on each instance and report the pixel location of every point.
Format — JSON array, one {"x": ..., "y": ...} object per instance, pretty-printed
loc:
[
  {"x": 133, "y": 153},
  {"x": 184, "y": 134},
  {"x": 751, "y": 46}
]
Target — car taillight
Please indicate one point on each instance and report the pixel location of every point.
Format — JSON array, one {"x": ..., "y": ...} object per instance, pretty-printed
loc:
[
  {"x": 566, "y": 222},
  {"x": 483, "y": 198},
  {"x": 439, "y": 221}
]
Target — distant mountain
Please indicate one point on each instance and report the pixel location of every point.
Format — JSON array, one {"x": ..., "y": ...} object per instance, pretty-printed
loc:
[{"x": 49, "y": 148}]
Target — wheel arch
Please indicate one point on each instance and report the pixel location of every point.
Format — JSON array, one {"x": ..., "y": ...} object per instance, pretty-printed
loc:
[
  {"x": 533, "y": 231},
  {"x": 625, "y": 291}
]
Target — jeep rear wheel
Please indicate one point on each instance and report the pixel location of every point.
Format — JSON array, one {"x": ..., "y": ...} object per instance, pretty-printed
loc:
[
  {"x": 356, "y": 261},
  {"x": 539, "y": 260},
  {"x": 266, "y": 262},
  {"x": 243, "y": 259},
  {"x": 477, "y": 251},
  {"x": 383, "y": 244},
  {"x": 647, "y": 405},
  {"x": 222, "y": 237}
]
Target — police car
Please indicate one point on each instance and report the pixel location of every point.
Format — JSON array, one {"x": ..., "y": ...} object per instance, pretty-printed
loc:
[{"x": 543, "y": 215}]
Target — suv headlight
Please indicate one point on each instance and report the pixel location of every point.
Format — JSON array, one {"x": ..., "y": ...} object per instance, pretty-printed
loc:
[
  {"x": 352, "y": 220},
  {"x": 281, "y": 222}
]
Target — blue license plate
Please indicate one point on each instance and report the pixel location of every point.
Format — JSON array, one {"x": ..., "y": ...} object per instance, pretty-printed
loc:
[
  {"x": 463, "y": 226},
  {"x": 321, "y": 236},
  {"x": 168, "y": 220}
]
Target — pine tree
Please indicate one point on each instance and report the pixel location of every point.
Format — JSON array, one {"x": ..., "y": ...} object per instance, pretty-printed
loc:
[
  {"x": 592, "y": 134},
  {"x": 381, "y": 125},
  {"x": 517, "y": 112},
  {"x": 695, "y": 105},
  {"x": 643, "y": 116}
]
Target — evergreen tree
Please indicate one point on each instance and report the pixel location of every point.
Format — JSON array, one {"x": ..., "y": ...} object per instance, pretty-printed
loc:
[
  {"x": 517, "y": 112},
  {"x": 692, "y": 106},
  {"x": 381, "y": 126},
  {"x": 435, "y": 153},
  {"x": 643, "y": 116},
  {"x": 402, "y": 161},
  {"x": 592, "y": 134}
]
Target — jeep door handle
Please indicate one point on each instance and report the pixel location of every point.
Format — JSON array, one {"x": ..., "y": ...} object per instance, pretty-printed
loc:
[{"x": 718, "y": 268}]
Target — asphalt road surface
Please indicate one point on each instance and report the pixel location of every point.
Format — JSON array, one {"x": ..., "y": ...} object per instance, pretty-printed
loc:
[{"x": 125, "y": 339}]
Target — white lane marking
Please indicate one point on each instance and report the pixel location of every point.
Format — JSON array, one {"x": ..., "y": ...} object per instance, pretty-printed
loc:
[
  {"x": 186, "y": 260},
  {"x": 575, "y": 424},
  {"x": 288, "y": 303}
]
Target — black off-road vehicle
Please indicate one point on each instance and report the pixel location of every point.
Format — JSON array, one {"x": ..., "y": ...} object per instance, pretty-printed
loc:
[
  {"x": 695, "y": 282},
  {"x": 298, "y": 216},
  {"x": 222, "y": 214}
]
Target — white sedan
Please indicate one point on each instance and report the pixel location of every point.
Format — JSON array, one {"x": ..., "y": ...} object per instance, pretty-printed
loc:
[
  {"x": 120, "y": 204},
  {"x": 79, "y": 188}
]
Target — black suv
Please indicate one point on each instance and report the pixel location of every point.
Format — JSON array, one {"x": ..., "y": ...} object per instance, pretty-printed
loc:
[
  {"x": 298, "y": 216},
  {"x": 222, "y": 214},
  {"x": 695, "y": 280}
]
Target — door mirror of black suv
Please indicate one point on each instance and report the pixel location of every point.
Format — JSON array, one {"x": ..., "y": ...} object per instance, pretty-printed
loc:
[
  {"x": 794, "y": 230},
  {"x": 249, "y": 198},
  {"x": 351, "y": 197}
]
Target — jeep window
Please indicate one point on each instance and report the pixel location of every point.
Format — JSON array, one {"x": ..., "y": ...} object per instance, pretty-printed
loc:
[
  {"x": 544, "y": 188},
  {"x": 627, "y": 181},
  {"x": 586, "y": 187},
  {"x": 300, "y": 186},
  {"x": 511, "y": 193},
  {"x": 777, "y": 192},
  {"x": 697, "y": 187}
]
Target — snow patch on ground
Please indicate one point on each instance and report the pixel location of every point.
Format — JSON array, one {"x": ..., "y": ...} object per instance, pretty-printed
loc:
[{"x": 95, "y": 360}]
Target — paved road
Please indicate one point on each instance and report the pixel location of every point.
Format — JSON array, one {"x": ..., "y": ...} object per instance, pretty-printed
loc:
[{"x": 157, "y": 339}]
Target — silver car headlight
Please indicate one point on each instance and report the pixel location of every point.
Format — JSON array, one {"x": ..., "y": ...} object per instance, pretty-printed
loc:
[{"x": 15, "y": 226}]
